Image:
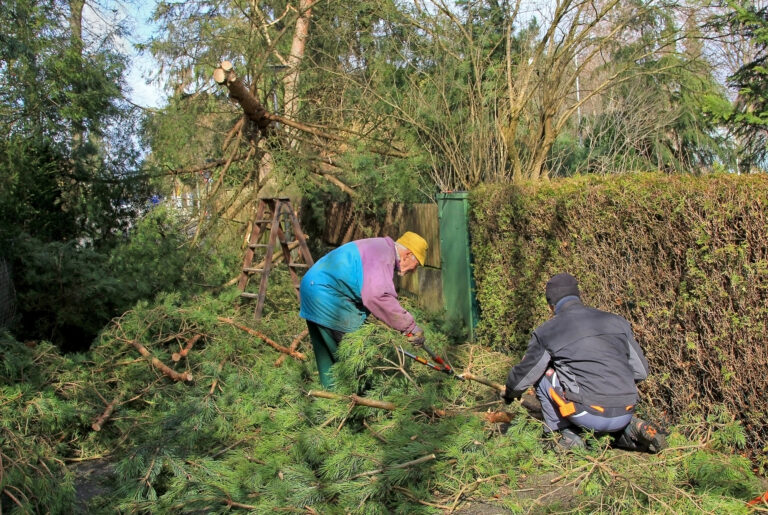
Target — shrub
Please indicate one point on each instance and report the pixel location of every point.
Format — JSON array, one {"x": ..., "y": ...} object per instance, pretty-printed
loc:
[{"x": 684, "y": 259}]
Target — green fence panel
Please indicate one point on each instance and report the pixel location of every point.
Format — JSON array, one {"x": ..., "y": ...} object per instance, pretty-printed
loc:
[{"x": 457, "y": 277}]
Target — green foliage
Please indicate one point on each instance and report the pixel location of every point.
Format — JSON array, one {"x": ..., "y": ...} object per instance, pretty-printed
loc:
[
  {"x": 186, "y": 132},
  {"x": 244, "y": 434},
  {"x": 682, "y": 258},
  {"x": 63, "y": 292},
  {"x": 68, "y": 161},
  {"x": 34, "y": 421},
  {"x": 67, "y": 292},
  {"x": 655, "y": 119},
  {"x": 66, "y": 147},
  {"x": 748, "y": 116},
  {"x": 158, "y": 256}
]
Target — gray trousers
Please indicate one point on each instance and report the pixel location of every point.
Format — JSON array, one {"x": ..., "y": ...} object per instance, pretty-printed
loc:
[{"x": 581, "y": 417}]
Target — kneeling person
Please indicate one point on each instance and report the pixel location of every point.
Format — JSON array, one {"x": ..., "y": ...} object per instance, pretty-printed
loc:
[{"x": 585, "y": 364}]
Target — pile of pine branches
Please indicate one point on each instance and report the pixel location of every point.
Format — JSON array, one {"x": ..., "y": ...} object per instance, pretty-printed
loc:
[{"x": 199, "y": 409}]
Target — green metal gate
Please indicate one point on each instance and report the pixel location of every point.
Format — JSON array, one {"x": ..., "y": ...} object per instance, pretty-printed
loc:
[{"x": 456, "y": 261}]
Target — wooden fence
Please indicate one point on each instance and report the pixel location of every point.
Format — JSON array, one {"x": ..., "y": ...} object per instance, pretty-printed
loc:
[{"x": 345, "y": 223}]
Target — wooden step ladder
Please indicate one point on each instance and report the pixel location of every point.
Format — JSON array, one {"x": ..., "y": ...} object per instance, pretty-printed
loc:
[{"x": 276, "y": 216}]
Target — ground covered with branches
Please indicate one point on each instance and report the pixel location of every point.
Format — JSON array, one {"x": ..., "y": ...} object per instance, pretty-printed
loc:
[{"x": 211, "y": 417}]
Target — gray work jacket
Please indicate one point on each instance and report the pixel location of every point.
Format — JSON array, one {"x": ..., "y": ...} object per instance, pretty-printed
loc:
[{"x": 597, "y": 359}]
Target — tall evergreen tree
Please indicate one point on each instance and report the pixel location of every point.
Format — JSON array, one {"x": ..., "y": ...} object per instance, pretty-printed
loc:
[
  {"x": 748, "y": 116},
  {"x": 68, "y": 164}
]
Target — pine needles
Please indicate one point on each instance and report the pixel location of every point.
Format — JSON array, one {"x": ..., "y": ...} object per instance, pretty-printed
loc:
[{"x": 244, "y": 435}]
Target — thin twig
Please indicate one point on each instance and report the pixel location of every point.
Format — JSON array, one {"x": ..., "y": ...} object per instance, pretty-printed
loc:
[
  {"x": 165, "y": 369},
  {"x": 225, "y": 449},
  {"x": 216, "y": 379},
  {"x": 420, "y": 501},
  {"x": 99, "y": 422},
  {"x": 356, "y": 399},
  {"x": 374, "y": 433}
]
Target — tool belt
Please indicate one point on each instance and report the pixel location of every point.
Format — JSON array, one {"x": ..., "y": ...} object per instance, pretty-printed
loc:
[{"x": 568, "y": 407}]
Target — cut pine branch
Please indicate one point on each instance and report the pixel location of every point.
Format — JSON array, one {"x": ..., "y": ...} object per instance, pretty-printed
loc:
[
  {"x": 176, "y": 356},
  {"x": 265, "y": 338},
  {"x": 354, "y": 399},
  {"x": 215, "y": 382},
  {"x": 99, "y": 423},
  {"x": 162, "y": 367},
  {"x": 493, "y": 417},
  {"x": 294, "y": 346},
  {"x": 407, "y": 464},
  {"x": 484, "y": 381},
  {"x": 264, "y": 120}
]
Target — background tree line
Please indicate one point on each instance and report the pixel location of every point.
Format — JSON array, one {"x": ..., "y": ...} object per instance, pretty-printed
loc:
[{"x": 380, "y": 100}]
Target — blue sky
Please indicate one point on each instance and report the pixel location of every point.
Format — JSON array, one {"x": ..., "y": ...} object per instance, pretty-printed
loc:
[{"x": 142, "y": 66}]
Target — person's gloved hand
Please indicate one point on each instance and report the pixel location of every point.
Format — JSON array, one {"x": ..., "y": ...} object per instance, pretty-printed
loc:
[
  {"x": 416, "y": 337},
  {"x": 511, "y": 396}
]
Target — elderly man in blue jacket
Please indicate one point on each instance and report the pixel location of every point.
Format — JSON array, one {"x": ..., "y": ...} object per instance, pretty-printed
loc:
[
  {"x": 585, "y": 364},
  {"x": 351, "y": 282}
]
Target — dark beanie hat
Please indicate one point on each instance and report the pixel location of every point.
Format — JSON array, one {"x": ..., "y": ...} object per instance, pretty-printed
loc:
[{"x": 559, "y": 286}]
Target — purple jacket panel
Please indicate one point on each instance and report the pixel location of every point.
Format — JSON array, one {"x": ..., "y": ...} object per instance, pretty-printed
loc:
[{"x": 378, "y": 257}]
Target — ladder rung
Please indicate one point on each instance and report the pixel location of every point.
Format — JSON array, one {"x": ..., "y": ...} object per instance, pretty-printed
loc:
[
  {"x": 267, "y": 220},
  {"x": 250, "y": 270},
  {"x": 257, "y": 245},
  {"x": 249, "y": 295},
  {"x": 298, "y": 265}
]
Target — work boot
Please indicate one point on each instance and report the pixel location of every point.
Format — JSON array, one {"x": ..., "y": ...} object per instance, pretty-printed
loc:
[
  {"x": 640, "y": 435},
  {"x": 569, "y": 440}
]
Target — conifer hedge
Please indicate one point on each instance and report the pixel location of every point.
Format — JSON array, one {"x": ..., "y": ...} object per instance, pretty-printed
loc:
[{"x": 683, "y": 258}]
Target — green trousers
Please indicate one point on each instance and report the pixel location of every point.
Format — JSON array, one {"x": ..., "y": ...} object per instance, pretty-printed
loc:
[{"x": 325, "y": 342}]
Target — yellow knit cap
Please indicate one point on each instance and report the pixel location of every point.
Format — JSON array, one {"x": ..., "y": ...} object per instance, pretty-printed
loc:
[{"x": 415, "y": 244}]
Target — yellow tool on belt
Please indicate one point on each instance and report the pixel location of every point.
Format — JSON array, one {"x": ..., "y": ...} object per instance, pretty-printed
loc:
[{"x": 566, "y": 408}]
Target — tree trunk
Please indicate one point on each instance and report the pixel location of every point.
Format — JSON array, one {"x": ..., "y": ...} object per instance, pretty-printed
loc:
[
  {"x": 76, "y": 40},
  {"x": 541, "y": 145},
  {"x": 76, "y": 24},
  {"x": 252, "y": 108},
  {"x": 298, "y": 44}
]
